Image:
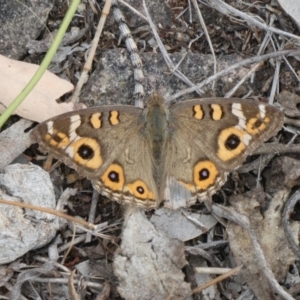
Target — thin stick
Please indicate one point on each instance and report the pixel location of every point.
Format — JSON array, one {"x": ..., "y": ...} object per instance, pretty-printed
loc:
[
  {"x": 217, "y": 279},
  {"x": 226, "y": 9},
  {"x": 50, "y": 211},
  {"x": 233, "y": 67},
  {"x": 253, "y": 70},
  {"x": 165, "y": 54},
  {"x": 88, "y": 64},
  {"x": 207, "y": 38}
]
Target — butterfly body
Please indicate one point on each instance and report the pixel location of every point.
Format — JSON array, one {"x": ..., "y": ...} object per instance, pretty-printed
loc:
[{"x": 173, "y": 154}]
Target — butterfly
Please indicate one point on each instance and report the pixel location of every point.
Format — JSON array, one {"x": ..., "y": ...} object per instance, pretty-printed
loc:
[{"x": 171, "y": 154}]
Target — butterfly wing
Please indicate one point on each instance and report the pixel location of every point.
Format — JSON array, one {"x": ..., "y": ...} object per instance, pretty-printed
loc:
[
  {"x": 106, "y": 145},
  {"x": 209, "y": 138}
]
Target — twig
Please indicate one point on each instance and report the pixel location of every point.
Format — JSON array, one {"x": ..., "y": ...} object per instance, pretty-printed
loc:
[
  {"x": 165, "y": 54},
  {"x": 95, "y": 42},
  {"x": 207, "y": 38},
  {"x": 276, "y": 148},
  {"x": 92, "y": 213},
  {"x": 217, "y": 279},
  {"x": 253, "y": 70},
  {"x": 49, "y": 211},
  {"x": 133, "y": 10},
  {"x": 226, "y": 9},
  {"x": 288, "y": 209},
  {"x": 232, "y": 67},
  {"x": 135, "y": 59},
  {"x": 207, "y": 270},
  {"x": 264, "y": 43},
  {"x": 203, "y": 253}
]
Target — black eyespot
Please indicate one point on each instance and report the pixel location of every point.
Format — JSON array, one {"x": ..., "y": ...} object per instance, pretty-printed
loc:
[
  {"x": 203, "y": 174},
  {"x": 113, "y": 176},
  {"x": 85, "y": 152},
  {"x": 257, "y": 123},
  {"x": 57, "y": 138},
  {"x": 140, "y": 190},
  {"x": 232, "y": 142}
]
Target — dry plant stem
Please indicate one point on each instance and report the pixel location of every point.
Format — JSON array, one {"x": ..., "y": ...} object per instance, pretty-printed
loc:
[
  {"x": 52, "y": 166},
  {"x": 67, "y": 193},
  {"x": 253, "y": 70},
  {"x": 217, "y": 279},
  {"x": 207, "y": 38},
  {"x": 71, "y": 243},
  {"x": 76, "y": 241},
  {"x": 65, "y": 280},
  {"x": 88, "y": 64},
  {"x": 202, "y": 253},
  {"x": 190, "y": 11},
  {"x": 275, "y": 82},
  {"x": 92, "y": 213},
  {"x": 264, "y": 43},
  {"x": 288, "y": 209},
  {"x": 277, "y": 149},
  {"x": 56, "y": 264},
  {"x": 133, "y": 9},
  {"x": 165, "y": 54},
  {"x": 135, "y": 59},
  {"x": 258, "y": 177},
  {"x": 193, "y": 220},
  {"x": 233, "y": 67},
  {"x": 291, "y": 68},
  {"x": 293, "y": 122},
  {"x": 183, "y": 11},
  {"x": 261, "y": 162},
  {"x": 47, "y": 166},
  {"x": 71, "y": 288},
  {"x": 49, "y": 211},
  {"x": 212, "y": 270},
  {"x": 61, "y": 280},
  {"x": 92, "y": 5},
  {"x": 243, "y": 221},
  {"x": 226, "y": 9},
  {"x": 293, "y": 130}
]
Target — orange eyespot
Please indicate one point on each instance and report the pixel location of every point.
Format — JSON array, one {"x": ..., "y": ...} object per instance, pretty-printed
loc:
[
  {"x": 205, "y": 174},
  {"x": 231, "y": 142},
  {"x": 256, "y": 125},
  {"x": 113, "y": 177},
  {"x": 140, "y": 190},
  {"x": 87, "y": 152}
]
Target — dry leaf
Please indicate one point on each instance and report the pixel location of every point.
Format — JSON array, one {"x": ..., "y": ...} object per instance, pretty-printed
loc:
[{"x": 40, "y": 104}]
